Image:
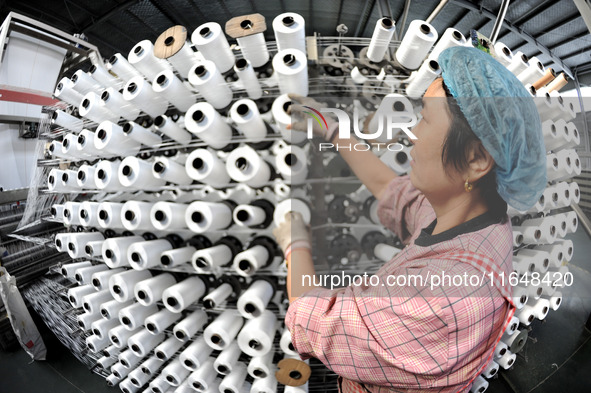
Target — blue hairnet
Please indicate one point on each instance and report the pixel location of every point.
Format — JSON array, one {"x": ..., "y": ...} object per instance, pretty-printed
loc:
[{"x": 504, "y": 117}]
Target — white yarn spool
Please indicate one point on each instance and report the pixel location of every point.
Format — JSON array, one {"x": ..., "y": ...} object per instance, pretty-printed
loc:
[
  {"x": 151, "y": 366},
  {"x": 135, "y": 215},
  {"x": 554, "y": 134},
  {"x": 251, "y": 215},
  {"x": 533, "y": 72},
  {"x": 56, "y": 150},
  {"x": 286, "y": 344},
  {"x": 248, "y": 78},
  {"x": 109, "y": 215},
  {"x": 572, "y": 222},
  {"x": 196, "y": 356},
  {"x": 120, "y": 66},
  {"x": 380, "y": 39},
  {"x": 291, "y": 67},
  {"x": 210, "y": 83},
  {"x": 283, "y": 119},
  {"x": 120, "y": 372},
  {"x": 92, "y": 302},
  {"x": 519, "y": 63},
  {"x": 84, "y": 275},
  {"x": 96, "y": 344},
  {"x": 139, "y": 92},
  {"x": 111, "y": 138},
  {"x": 141, "y": 134},
  {"x": 290, "y": 32},
  {"x": 137, "y": 378},
  {"x": 567, "y": 249},
  {"x": 69, "y": 147},
  {"x": 76, "y": 294},
  {"x": 517, "y": 238},
  {"x": 175, "y": 373},
  {"x": 146, "y": 254},
  {"x": 143, "y": 342},
  {"x": 160, "y": 321},
  {"x": 141, "y": 56},
  {"x": 575, "y": 136},
  {"x": 72, "y": 213},
  {"x": 423, "y": 78},
  {"x": 218, "y": 296},
  {"x": 171, "y": 171},
  {"x": 76, "y": 248},
  {"x": 67, "y": 181},
  {"x": 265, "y": 385},
  {"x": 253, "y": 47},
  {"x": 183, "y": 59},
  {"x": 226, "y": 360},
  {"x": 174, "y": 90},
  {"x": 165, "y": 350},
  {"x": 479, "y": 385},
  {"x": 507, "y": 360},
  {"x": 149, "y": 291},
  {"x": 121, "y": 284},
  {"x": 106, "y": 362},
  {"x": 255, "y": 299},
  {"x": 418, "y": 40},
  {"x": 491, "y": 369},
  {"x": 167, "y": 216},
  {"x": 105, "y": 176},
  {"x": 100, "y": 74},
  {"x": 189, "y": 326},
  {"x": 133, "y": 317},
  {"x": 261, "y": 366},
  {"x": 211, "y": 258},
  {"x": 211, "y": 42},
  {"x": 57, "y": 212},
  {"x": 555, "y": 300},
  {"x": 85, "y": 177},
  {"x": 54, "y": 180},
  {"x": 135, "y": 173},
  {"x": 204, "y": 378},
  {"x": 85, "y": 143},
  {"x": 450, "y": 38},
  {"x": 173, "y": 130},
  {"x": 181, "y": 295},
  {"x": 202, "y": 216},
  {"x": 110, "y": 309},
  {"x": 245, "y": 114},
  {"x": 101, "y": 327},
  {"x": 83, "y": 83},
  {"x": 114, "y": 101},
  {"x": 249, "y": 261},
  {"x": 291, "y": 205},
  {"x": 205, "y": 166},
  {"x": 520, "y": 296},
  {"x": 64, "y": 92},
  {"x": 222, "y": 331},
  {"x": 68, "y": 269},
  {"x": 86, "y": 319},
  {"x": 207, "y": 124},
  {"x": 234, "y": 381},
  {"x": 176, "y": 257},
  {"x": 128, "y": 359},
  {"x": 503, "y": 54},
  {"x": 66, "y": 120},
  {"x": 538, "y": 257},
  {"x": 93, "y": 108},
  {"x": 89, "y": 216},
  {"x": 244, "y": 165}
]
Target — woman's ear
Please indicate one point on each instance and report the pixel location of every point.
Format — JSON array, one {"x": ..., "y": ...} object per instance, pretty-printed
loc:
[{"x": 480, "y": 162}]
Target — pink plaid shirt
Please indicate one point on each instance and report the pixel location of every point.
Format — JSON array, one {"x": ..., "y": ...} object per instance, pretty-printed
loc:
[{"x": 413, "y": 337}]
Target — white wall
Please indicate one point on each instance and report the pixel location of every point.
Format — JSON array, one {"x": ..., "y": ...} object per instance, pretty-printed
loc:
[{"x": 17, "y": 158}]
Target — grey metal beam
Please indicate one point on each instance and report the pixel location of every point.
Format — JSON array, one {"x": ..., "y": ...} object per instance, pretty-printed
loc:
[
  {"x": 366, "y": 14},
  {"x": 499, "y": 21},
  {"x": 532, "y": 13},
  {"x": 173, "y": 16},
  {"x": 550, "y": 28},
  {"x": 526, "y": 36}
]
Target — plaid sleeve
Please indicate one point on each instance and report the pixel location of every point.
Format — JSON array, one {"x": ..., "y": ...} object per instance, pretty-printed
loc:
[
  {"x": 397, "y": 336},
  {"x": 403, "y": 209}
]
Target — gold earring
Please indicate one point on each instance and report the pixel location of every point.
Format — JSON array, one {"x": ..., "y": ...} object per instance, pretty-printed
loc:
[{"x": 468, "y": 186}]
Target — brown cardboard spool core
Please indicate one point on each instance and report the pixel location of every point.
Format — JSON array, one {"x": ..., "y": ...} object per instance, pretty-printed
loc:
[
  {"x": 245, "y": 25},
  {"x": 170, "y": 42},
  {"x": 292, "y": 372}
]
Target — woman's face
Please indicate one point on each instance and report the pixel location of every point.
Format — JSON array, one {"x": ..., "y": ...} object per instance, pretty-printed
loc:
[{"x": 427, "y": 171}]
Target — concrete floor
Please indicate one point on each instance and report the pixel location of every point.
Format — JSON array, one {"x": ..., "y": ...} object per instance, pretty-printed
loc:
[{"x": 556, "y": 359}]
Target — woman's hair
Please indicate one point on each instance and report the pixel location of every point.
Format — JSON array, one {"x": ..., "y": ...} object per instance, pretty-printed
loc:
[{"x": 456, "y": 147}]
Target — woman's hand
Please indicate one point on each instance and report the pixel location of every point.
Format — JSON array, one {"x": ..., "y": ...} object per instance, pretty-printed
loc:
[
  {"x": 291, "y": 233},
  {"x": 300, "y": 118}
]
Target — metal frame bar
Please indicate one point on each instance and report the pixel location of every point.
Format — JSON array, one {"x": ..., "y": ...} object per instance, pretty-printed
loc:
[
  {"x": 42, "y": 31},
  {"x": 499, "y": 21},
  {"x": 528, "y": 37}
]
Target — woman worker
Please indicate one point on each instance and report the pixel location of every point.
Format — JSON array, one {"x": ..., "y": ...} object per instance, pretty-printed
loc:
[{"x": 479, "y": 147}]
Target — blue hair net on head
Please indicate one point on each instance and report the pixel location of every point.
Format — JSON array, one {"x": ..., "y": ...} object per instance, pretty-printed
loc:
[{"x": 504, "y": 117}]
